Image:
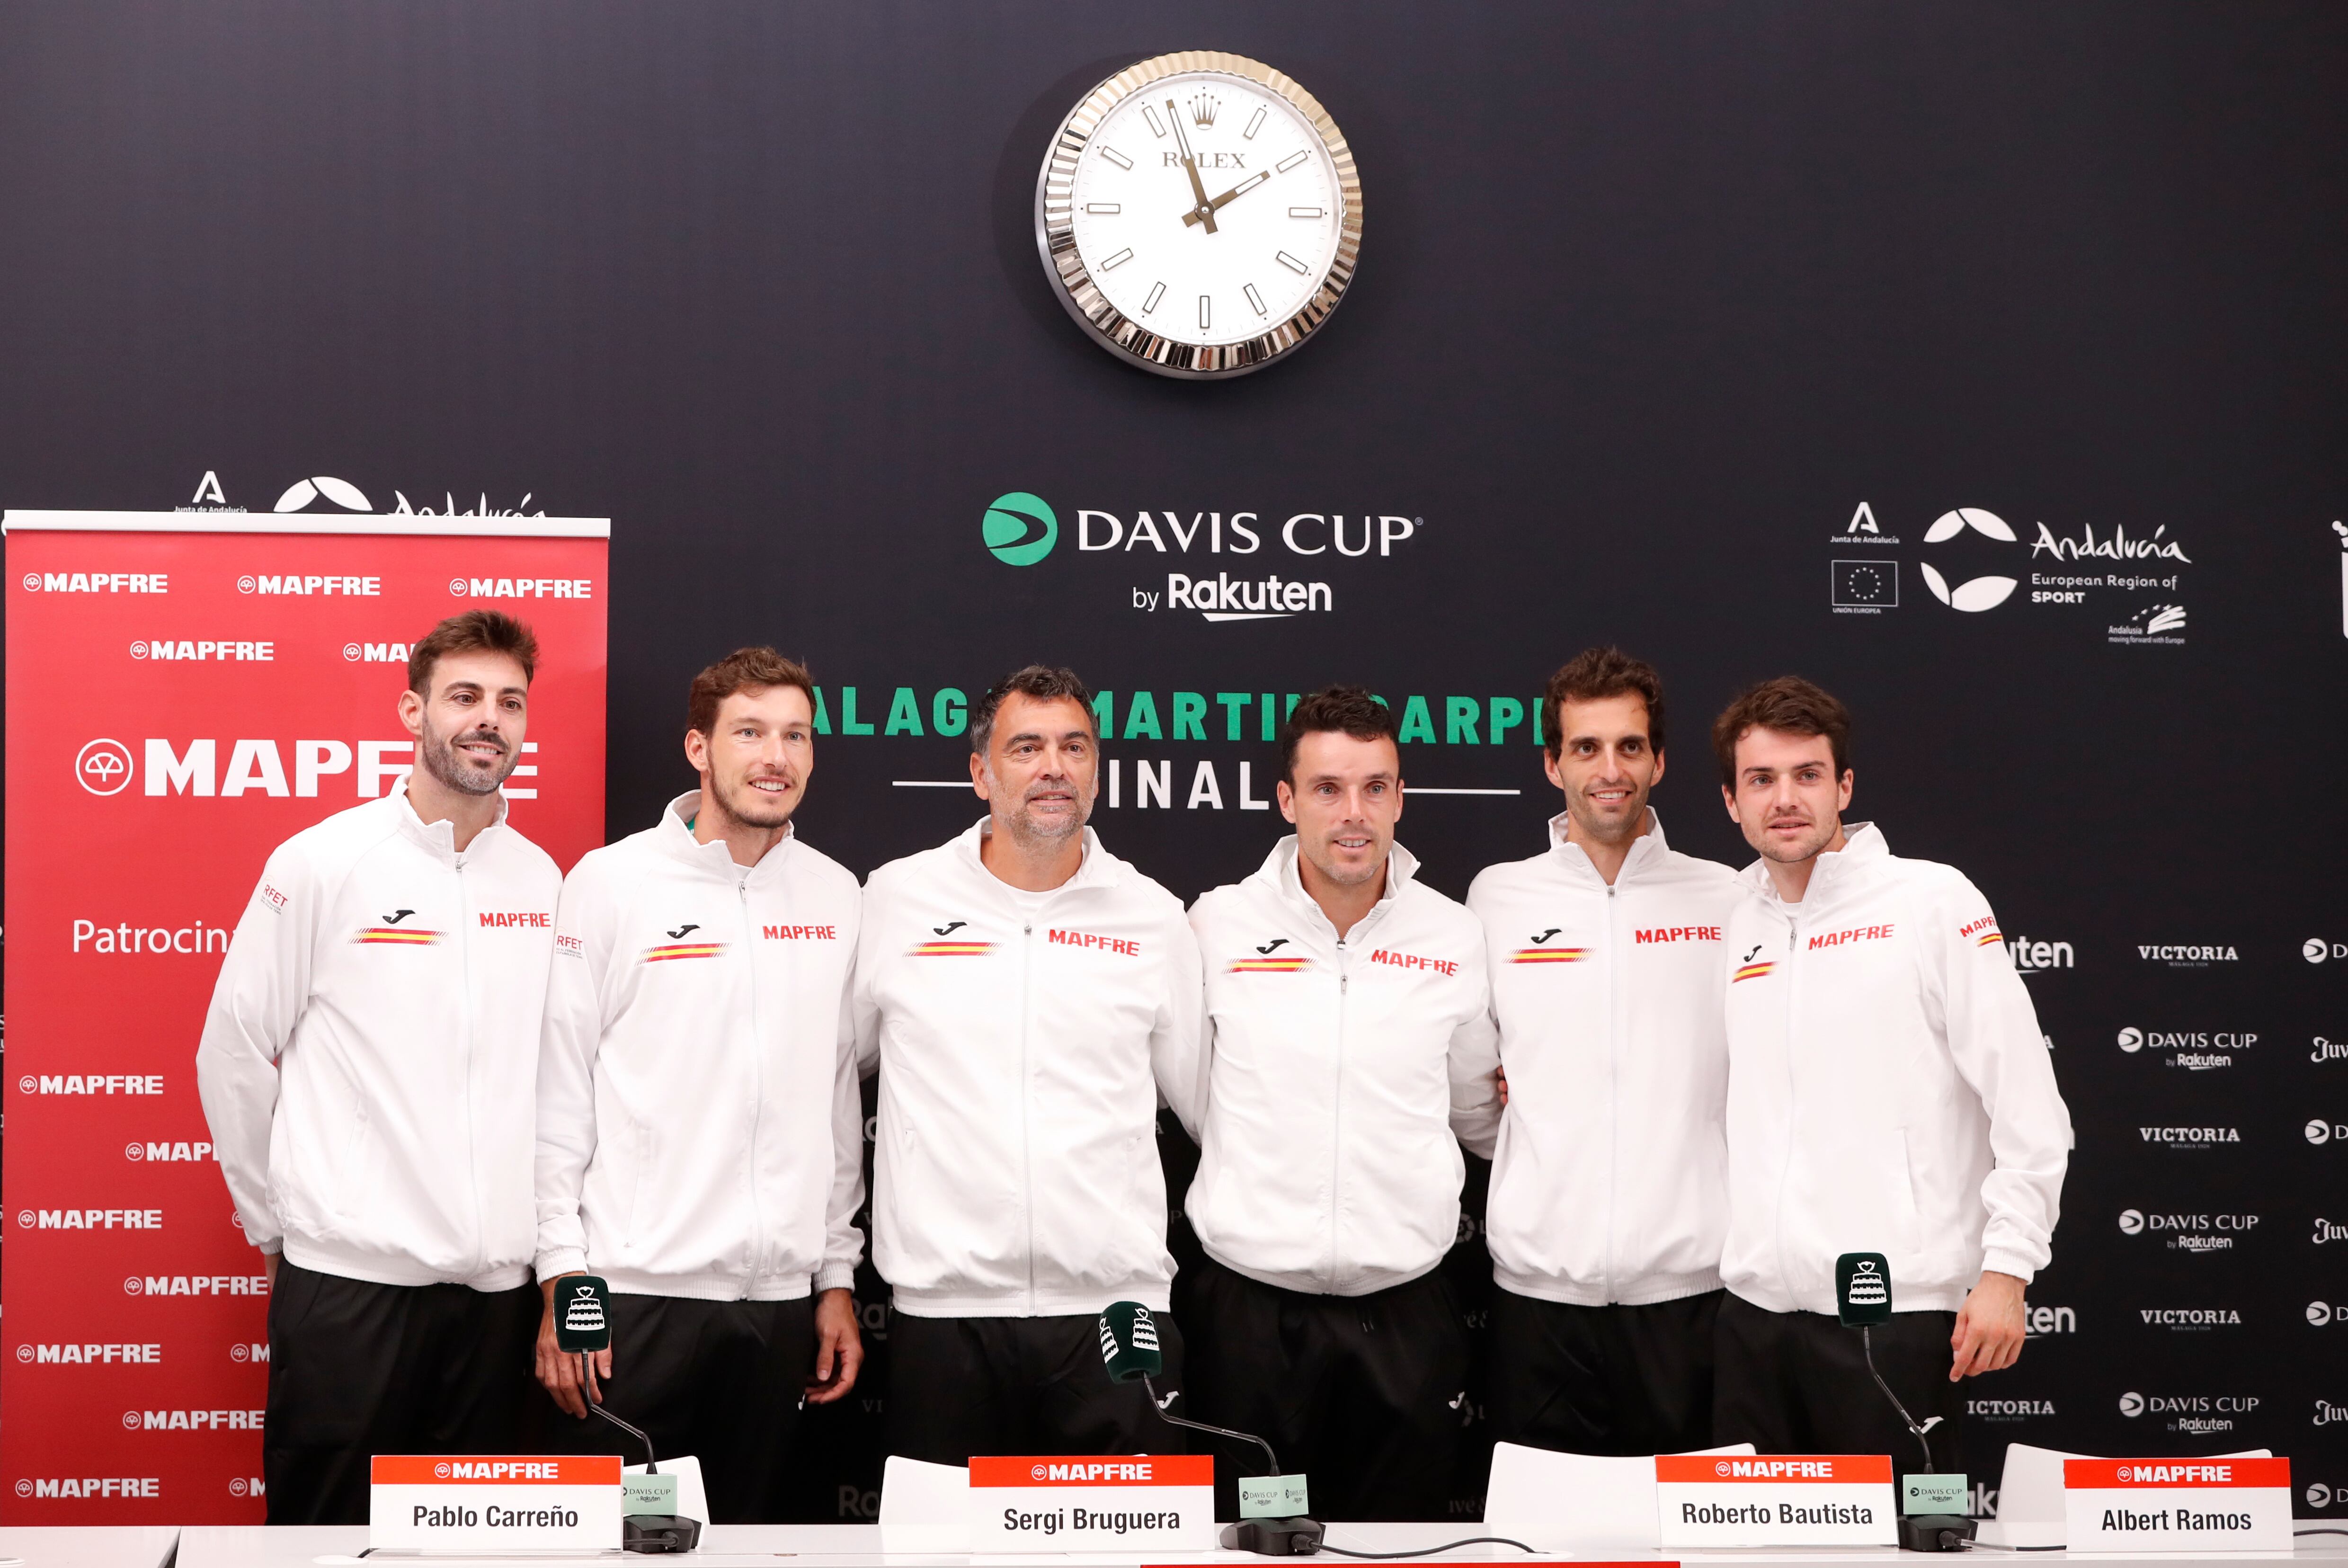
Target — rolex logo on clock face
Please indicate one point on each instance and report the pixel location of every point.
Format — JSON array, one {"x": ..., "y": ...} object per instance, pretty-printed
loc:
[{"x": 1200, "y": 214}]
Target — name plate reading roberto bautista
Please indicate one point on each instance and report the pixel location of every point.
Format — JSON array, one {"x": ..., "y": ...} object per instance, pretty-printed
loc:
[
  {"x": 1776, "y": 1499},
  {"x": 2177, "y": 1505},
  {"x": 1087, "y": 1503},
  {"x": 469, "y": 1501}
]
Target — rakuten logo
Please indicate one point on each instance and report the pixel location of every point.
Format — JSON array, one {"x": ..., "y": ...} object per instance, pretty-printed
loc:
[
  {"x": 260, "y": 768},
  {"x": 91, "y": 1083},
  {"x": 2031, "y": 956},
  {"x": 192, "y": 1420},
  {"x": 314, "y": 585},
  {"x": 97, "y": 582},
  {"x": 88, "y": 1486},
  {"x": 2042, "y": 1320},
  {"x": 90, "y": 1354},
  {"x": 522, "y": 587},
  {"x": 196, "y": 1285},
  {"x": 90, "y": 1219}
]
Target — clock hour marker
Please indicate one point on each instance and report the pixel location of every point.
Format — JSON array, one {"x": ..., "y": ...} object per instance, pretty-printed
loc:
[
  {"x": 1110, "y": 209},
  {"x": 1156, "y": 293},
  {"x": 1285, "y": 260},
  {"x": 1297, "y": 212},
  {"x": 1151, "y": 116},
  {"x": 1291, "y": 162},
  {"x": 1206, "y": 312},
  {"x": 1114, "y": 156},
  {"x": 1125, "y": 256},
  {"x": 1255, "y": 124},
  {"x": 1255, "y": 299}
]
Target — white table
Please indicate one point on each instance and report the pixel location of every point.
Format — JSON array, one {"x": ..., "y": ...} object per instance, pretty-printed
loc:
[
  {"x": 89, "y": 1546},
  {"x": 859, "y": 1546}
]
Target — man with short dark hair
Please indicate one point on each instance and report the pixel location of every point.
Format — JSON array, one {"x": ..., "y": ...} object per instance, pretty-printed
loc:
[
  {"x": 1028, "y": 998},
  {"x": 700, "y": 1134},
  {"x": 1348, "y": 1035},
  {"x": 367, "y": 1070},
  {"x": 1889, "y": 1091},
  {"x": 1609, "y": 1183}
]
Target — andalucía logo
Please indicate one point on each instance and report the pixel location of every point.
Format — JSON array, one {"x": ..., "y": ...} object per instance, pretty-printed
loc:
[
  {"x": 1020, "y": 529},
  {"x": 1977, "y": 594}
]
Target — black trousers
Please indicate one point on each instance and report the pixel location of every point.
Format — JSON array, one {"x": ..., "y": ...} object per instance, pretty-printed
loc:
[
  {"x": 1602, "y": 1379},
  {"x": 965, "y": 1386},
  {"x": 720, "y": 1380},
  {"x": 1797, "y": 1383},
  {"x": 357, "y": 1369},
  {"x": 1365, "y": 1395}
]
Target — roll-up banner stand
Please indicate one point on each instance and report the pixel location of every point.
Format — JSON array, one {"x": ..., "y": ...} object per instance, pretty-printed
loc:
[{"x": 186, "y": 690}]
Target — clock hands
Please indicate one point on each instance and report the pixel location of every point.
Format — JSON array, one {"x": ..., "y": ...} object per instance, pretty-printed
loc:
[
  {"x": 1207, "y": 214},
  {"x": 1191, "y": 167}
]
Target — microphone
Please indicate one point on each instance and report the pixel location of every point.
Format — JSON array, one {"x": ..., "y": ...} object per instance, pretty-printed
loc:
[
  {"x": 1129, "y": 1350},
  {"x": 583, "y": 1325},
  {"x": 1862, "y": 1300}
]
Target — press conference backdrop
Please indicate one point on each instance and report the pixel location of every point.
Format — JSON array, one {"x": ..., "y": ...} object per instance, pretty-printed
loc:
[{"x": 1755, "y": 337}]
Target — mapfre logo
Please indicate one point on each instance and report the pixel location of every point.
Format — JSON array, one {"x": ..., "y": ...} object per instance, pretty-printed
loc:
[
  {"x": 90, "y": 1354},
  {"x": 97, "y": 581},
  {"x": 203, "y": 651},
  {"x": 90, "y": 1486},
  {"x": 522, "y": 587},
  {"x": 196, "y": 1285},
  {"x": 90, "y": 1219},
  {"x": 313, "y": 585},
  {"x": 159, "y": 1153},
  {"x": 192, "y": 1420},
  {"x": 259, "y": 766},
  {"x": 375, "y": 652},
  {"x": 90, "y": 1083}
]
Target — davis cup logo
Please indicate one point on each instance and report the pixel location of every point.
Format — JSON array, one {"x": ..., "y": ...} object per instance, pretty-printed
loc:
[
  {"x": 103, "y": 766},
  {"x": 2131, "y": 1405},
  {"x": 2318, "y": 1313},
  {"x": 1020, "y": 529},
  {"x": 2131, "y": 1221},
  {"x": 2131, "y": 1040}
]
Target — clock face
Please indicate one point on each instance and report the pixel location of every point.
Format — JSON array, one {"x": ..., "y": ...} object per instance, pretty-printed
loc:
[{"x": 1200, "y": 214}]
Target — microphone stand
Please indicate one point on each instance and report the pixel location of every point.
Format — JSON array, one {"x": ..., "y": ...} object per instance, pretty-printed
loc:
[
  {"x": 1867, "y": 1348},
  {"x": 1296, "y": 1536},
  {"x": 1918, "y": 1532},
  {"x": 652, "y": 1461}
]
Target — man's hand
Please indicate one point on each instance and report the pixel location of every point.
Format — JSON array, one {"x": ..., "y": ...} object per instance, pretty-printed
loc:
[
  {"x": 1501, "y": 1075},
  {"x": 558, "y": 1368},
  {"x": 268, "y": 1267},
  {"x": 838, "y": 1348},
  {"x": 1988, "y": 1337}
]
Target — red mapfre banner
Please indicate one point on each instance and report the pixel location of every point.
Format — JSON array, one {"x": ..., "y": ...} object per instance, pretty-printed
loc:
[{"x": 186, "y": 690}]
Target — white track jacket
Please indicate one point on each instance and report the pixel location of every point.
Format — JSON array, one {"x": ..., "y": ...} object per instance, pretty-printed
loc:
[
  {"x": 1611, "y": 1181},
  {"x": 699, "y": 1130},
  {"x": 1336, "y": 1073},
  {"x": 366, "y": 1063},
  {"x": 1887, "y": 1090},
  {"x": 1022, "y": 1043}
]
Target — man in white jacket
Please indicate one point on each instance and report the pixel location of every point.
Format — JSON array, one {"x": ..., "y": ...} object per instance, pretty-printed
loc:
[
  {"x": 1028, "y": 997},
  {"x": 1348, "y": 1035},
  {"x": 1610, "y": 1188},
  {"x": 700, "y": 1138},
  {"x": 1888, "y": 1092},
  {"x": 365, "y": 1069}
]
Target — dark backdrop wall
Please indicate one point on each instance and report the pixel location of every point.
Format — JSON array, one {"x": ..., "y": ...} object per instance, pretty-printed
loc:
[{"x": 1678, "y": 325}]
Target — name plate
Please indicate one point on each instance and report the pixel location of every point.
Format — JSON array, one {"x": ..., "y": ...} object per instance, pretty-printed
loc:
[
  {"x": 1091, "y": 1504},
  {"x": 2177, "y": 1505},
  {"x": 1774, "y": 1500},
  {"x": 469, "y": 1501}
]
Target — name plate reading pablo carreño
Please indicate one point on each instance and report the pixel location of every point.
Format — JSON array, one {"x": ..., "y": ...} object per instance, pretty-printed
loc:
[
  {"x": 2177, "y": 1505},
  {"x": 1776, "y": 1499},
  {"x": 469, "y": 1501},
  {"x": 1051, "y": 1502}
]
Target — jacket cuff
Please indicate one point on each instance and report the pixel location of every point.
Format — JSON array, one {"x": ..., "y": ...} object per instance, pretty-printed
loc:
[
  {"x": 835, "y": 1276},
  {"x": 2014, "y": 1263},
  {"x": 560, "y": 1261}
]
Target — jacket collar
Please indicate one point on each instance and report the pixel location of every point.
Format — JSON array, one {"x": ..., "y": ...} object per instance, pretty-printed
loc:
[
  {"x": 715, "y": 858},
  {"x": 1279, "y": 879},
  {"x": 1647, "y": 853},
  {"x": 1097, "y": 868},
  {"x": 439, "y": 839},
  {"x": 1836, "y": 872}
]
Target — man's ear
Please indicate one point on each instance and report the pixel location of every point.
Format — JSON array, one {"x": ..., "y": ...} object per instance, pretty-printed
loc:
[
  {"x": 1728, "y": 798},
  {"x": 411, "y": 712},
  {"x": 1287, "y": 799}
]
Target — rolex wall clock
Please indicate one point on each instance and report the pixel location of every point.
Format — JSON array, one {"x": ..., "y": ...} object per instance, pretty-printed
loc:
[{"x": 1198, "y": 214}]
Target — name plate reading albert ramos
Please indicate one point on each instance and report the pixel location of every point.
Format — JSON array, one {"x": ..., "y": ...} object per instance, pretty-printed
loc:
[
  {"x": 2177, "y": 1505},
  {"x": 1776, "y": 1499},
  {"x": 469, "y": 1501},
  {"x": 1088, "y": 1503}
]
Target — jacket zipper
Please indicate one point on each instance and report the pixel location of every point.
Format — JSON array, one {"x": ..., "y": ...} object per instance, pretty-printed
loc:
[
  {"x": 1337, "y": 1109},
  {"x": 1614, "y": 1084},
  {"x": 472, "y": 1131},
  {"x": 1786, "y": 1156},
  {"x": 1026, "y": 1149},
  {"x": 757, "y": 1076}
]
